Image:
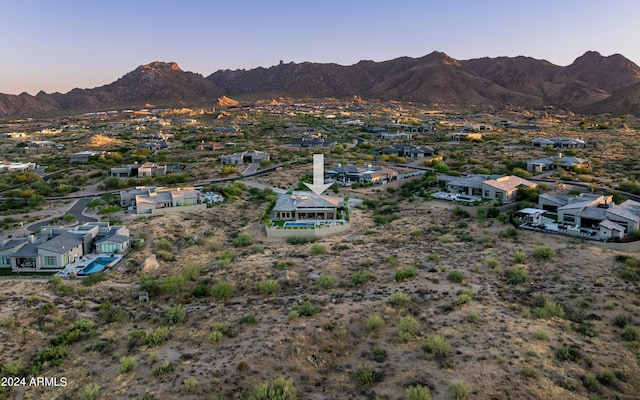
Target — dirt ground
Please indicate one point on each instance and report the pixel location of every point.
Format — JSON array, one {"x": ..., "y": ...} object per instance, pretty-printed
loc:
[{"x": 497, "y": 350}]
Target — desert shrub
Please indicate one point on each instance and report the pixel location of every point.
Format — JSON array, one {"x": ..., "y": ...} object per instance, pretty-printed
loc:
[
  {"x": 568, "y": 353},
  {"x": 163, "y": 244},
  {"x": 406, "y": 273},
  {"x": 461, "y": 213},
  {"x": 215, "y": 336},
  {"x": 543, "y": 253},
  {"x": 190, "y": 384},
  {"x": 163, "y": 368},
  {"x": 418, "y": 393},
  {"x": 407, "y": 327},
  {"x": 379, "y": 354},
  {"x": 269, "y": 286},
  {"x": 318, "y": 249},
  {"x": 433, "y": 257},
  {"x": 172, "y": 285},
  {"x": 367, "y": 376},
  {"x": 456, "y": 276},
  {"x": 464, "y": 298},
  {"x": 436, "y": 346},
  {"x": 299, "y": 240},
  {"x": 541, "y": 334},
  {"x": 306, "y": 308},
  {"x": 515, "y": 276},
  {"x": 94, "y": 278},
  {"x": 473, "y": 316},
  {"x": 127, "y": 364},
  {"x": 90, "y": 391},
  {"x": 548, "y": 310},
  {"x": 606, "y": 377},
  {"x": 175, "y": 315},
  {"x": 621, "y": 320},
  {"x": 280, "y": 388},
  {"x": 374, "y": 322},
  {"x": 529, "y": 372},
  {"x": 14, "y": 368},
  {"x": 591, "y": 382},
  {"x": 256, "y": 249},
  {"x": 511, "y": 232},
  {"x": 326, "y": 282},
  {"x": 222, "y": 290},
  {"x": 243, "y": 239},
  {"x": 154, "y": 356},
  {"x": 157, "y": 336},
  {"x": 247, "y": 320},
  {"x": 150, "y": 285},
  {"x": 630, "y": 333},
  {"x": 110, "y": 313},
  {"x": 520, "y": 257},
  {"x": 191, "y": 273},
  {"x": 201, "y": 290},
  {"x": 361, "y": 277},
  {"x": 224, "y": 259},
  {"x": 492, "y": 262},
  {"x": 459, "y": 391},
  {"x": 399, "y": 299}
]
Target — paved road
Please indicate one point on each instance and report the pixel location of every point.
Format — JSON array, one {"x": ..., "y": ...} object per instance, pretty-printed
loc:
[{"x": 76, "y": 209}]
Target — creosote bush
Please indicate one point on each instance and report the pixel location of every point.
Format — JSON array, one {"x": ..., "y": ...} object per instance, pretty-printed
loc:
[
  {"x": 326, "y": 282},
  {"x": 222, "y": 290},
  {"x": 269, "y": 286},
  {"x": 280, "y": 388},
  {"x": 374, "y": 322},
  {"x": 436, "y": 346},
  {"x": 543, "y": 253},
  {"x": 127, "y": 364},
  {"x": 400, "y": 299},
  {"x": 456, "y": 276},
  {"x": 459, "y": 391},
  {"x": 418, "y": 393}
]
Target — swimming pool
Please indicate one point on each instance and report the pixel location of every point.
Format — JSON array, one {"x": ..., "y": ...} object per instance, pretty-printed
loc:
[
  {"x": 299, "y": 223},
  {"x": 96, "y": 265}
]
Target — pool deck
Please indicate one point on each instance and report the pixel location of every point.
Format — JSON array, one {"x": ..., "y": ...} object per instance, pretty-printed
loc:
[{"x": 72, "y": 269}]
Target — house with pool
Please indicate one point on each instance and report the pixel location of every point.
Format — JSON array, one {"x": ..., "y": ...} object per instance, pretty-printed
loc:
[
  {"x": 56, "y": 247},
  {"x": 305, "y": 214}
]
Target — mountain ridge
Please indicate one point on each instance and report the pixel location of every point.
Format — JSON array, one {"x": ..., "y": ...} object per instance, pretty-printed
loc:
[{"x": 584, "y": 85}]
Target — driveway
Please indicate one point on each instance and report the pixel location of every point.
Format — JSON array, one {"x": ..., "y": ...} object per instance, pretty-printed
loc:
[{"x": 76, "y": 210}]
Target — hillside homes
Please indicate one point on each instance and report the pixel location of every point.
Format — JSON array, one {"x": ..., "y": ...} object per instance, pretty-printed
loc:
[
  {"x": 244, "y": 157},
  {"x": 408, "y": 151},
  {"x": 559, "y": 142},
  {"x": 499, "y": 188},
  {"x": 363, "y": 174},
  {"x": 139, "y": 170},
  {"x": 56, "y": 247},
  {"x": 153, "y": 200},
  {"x": 556, "y": 162}
]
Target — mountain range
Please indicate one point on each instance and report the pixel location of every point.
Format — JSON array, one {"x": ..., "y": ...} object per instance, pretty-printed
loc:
[{"x": 591, "y": 84}]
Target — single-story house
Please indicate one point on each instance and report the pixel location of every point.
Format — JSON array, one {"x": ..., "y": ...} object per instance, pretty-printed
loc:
[
  {"x": 17, "y": 166},
  {"x": 394, "y": 136},
  {"x": 138, "y": 170},
  {"x": 460, "y": 136},
  {"x": 307, "y": 206},
  {"x": 85, "y": 156},
  {"x": 504, "y": 188},
  {"x": 409, "y": 151},
  {"x": 314, "y": 142},
  {"x": 468, "y": 185},
  {"x": 362, "y": 174},
  {"x": 146, "y": 199},
  {"x": 559, "y": 142},
  {"x": 555, "y": 162},
  {"x": 244, "y": 157}
]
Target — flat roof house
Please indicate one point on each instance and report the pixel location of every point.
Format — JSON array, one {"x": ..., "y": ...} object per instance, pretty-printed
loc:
[
  {"x": 555, "y": 162},
  {"x": 244, "y": 157},
  {"x": 144, "y": 200},
  {"x": 362, "y": 174}
]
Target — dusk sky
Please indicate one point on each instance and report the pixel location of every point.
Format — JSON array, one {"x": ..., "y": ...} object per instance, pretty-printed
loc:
[{"x": 58, "y": 45}]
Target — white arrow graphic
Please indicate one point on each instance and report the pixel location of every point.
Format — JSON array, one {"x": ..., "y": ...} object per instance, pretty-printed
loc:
[{"x": 318, "y": 186}]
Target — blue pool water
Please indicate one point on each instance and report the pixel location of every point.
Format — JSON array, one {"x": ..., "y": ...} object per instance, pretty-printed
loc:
[
  {"x": 306, "y": 223},
  {"x": 96, "y": 265}
]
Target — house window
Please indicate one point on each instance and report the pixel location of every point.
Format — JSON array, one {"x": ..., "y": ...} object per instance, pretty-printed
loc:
[
  {"x": 487, "y": 194},
  {"x": 108, "y": 248},
  {"x": 50, "y": 261},
  {"x": 499, "y": 195},
  {"x": 569, "y": 218},
  {"x": 4, "y": 260}
]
